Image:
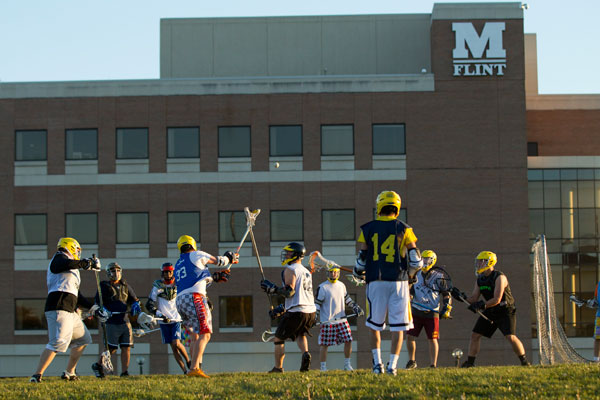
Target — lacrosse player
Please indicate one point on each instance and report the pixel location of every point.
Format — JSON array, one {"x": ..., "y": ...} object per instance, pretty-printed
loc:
[
  {"x": 388, "y": 257},
  {"x": 65, "y": 328},
  {"x": 427, "y": 306},
  {"x": 498, "y": 305},
  {"x": 117, "y": 294},
  {"x": 593, "y": 303},
  {"x": 161, "y": 303},
  {"x": 298, "y": 312},
  {"x": 331, "y": 301},
  {"x": 192, "y": 277}
]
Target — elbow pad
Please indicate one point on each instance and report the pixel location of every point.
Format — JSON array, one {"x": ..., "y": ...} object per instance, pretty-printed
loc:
[
  {"x": 286, "y": 291},
  {"x": 414, "y": 258},
  {"x": 361, "y": 262}
]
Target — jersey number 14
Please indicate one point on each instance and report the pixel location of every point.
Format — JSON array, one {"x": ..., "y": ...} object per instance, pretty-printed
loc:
[{"x": 387, "y": 247}]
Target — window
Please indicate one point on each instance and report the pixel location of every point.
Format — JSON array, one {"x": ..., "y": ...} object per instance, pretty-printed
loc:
[
  {"x": 132, "y": 143},
  {"x": 286, "y": 225},
  {"x": 232, "y": 226},
  {"x": 29, "y": 314},
  {"x": 285, "y": 140},
  {"x": 30, "y": 229},
  {"x": 338, "y": 225},
  {"x": 563, "y": 205},
  {"x": 183, "y": 142},
  {"x": 337, "y": 140},
  {"x": 132, "y": 227},
  {"x": 30, "y": 145},
  {"x": 235, "y": 311},
  {"x": 83, "y": 227},
  {"x": 234, "y": 141},
  {"x": 388, "y": 139},
  {"x": 182, "y": 223},
  {"x": 81, "y": 144},
  {"x": 532, "y": 149}
]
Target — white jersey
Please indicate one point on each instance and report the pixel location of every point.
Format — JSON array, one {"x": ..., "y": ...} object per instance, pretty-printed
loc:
[
  {"x": 68, "y": 281},
  {"x": 424, "y": 298},
  {"x": 331, "y": 301},
  {"x": 166, "y": 307},
  {"x": 302, "y": 300}
]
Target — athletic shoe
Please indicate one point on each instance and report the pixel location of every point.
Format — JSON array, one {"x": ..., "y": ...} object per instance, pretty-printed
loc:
[
  {"x": 124, "y": 374},
  {"x": 348, "y": 367},
  {"x": 305, "y": 364},
  {"x": 276, "y": 370},
  {"x": 197, "y": 372},
  {"x": 525, "y": 363},
  {"x": 69, "y": 377},
  {"x": 98, "y": 370},
  {"x": 35, "y": 378},
  {"x": 432, "y": 366},
  {"x": 378, "y": 369},
  {"x": 411, "y": 364},
  {"x": 467, "y": 364},
  {"x": 389, "y": 370}
]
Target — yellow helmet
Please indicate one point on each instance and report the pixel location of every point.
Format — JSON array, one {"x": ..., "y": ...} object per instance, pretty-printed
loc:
[
  {"x": 432, "y": 259},
  {"x": 185, "y": 239},
  {"x": 333, "y": 272},
  {"x": 71, "y": 245},
  {"x": 484, "y": 261},
  {"x": 388, "y": 198}
]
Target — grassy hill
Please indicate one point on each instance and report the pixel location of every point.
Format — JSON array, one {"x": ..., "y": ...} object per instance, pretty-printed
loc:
[{"x": 537, "y": 382}]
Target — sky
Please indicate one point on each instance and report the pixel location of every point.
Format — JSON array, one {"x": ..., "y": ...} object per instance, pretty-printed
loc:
[{"x": 71, "y": 40}]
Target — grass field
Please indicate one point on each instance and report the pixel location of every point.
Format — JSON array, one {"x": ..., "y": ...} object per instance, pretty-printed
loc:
[{"x": 581, "y": 381}]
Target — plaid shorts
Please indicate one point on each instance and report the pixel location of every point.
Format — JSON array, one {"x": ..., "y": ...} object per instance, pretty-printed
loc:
[
  {"x": 597, "y": 329},
  {"x": 196, "y": 316},
  {"x": 332, "y": 334}
]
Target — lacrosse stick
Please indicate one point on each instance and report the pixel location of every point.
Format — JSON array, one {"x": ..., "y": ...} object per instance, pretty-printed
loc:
[
  {"x": 250, "y": 221},
  {"x": 438, "y": 280},
  {"x": 146, "y": 320},
  {"x": 142, "y": 332},
  {"x": 318, "y": 262},
  {"x": 267, "y": 336},
  {"x": 336, "y": 321},
  {"x": 105, "y": 356},
  {"x": 591, "y": 303}
]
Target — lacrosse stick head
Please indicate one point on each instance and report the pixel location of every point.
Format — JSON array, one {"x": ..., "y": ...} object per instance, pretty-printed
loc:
[
  {"x": 356, "y": 281},
  {"x": 319, "y": 263},
  {"x": 106, "y": 362},
  {"x": 577, "y": 301},
  {"x": 267, "y": 336},
  {"x": 251, "y": 216},
  {"x": 138, "y": 332},
  {"x": 145, "y": 320}
]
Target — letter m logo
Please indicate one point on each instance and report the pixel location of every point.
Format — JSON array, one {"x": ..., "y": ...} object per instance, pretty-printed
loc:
[{"x": 466, "y": 36}]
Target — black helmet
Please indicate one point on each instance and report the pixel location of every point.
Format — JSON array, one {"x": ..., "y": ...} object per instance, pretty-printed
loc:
[{"x": 298, "y": 251}]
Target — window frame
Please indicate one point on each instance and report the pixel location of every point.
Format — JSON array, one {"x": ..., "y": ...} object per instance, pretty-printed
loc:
[
  {"x": 117, "y": 227},
  {"x": 67, "y": 143},
  {"x": 323, "y": 211},
  {"x": 183, "y": 127},
  {"x": 286, "y": 126},
  {"x": 132, "y": 158},
  {"x": 45, "y": 131},
  {"x": 45, "y": 242},
  {"x": 234, "y": 126},
  {"x": 339, "y": 154},
  {"x": 373, "y": 126},
  {"x": 197, "y": 238},
  {"x": 272, "y": 239},
  {"x": 67, "y": 234}
]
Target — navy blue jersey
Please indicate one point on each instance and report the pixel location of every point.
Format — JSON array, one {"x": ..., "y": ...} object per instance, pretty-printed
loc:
[{"x": 386, "y": 256}]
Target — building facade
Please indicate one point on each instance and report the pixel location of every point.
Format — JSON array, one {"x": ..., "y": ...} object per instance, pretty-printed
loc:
[{"x": 308, "y": 119}]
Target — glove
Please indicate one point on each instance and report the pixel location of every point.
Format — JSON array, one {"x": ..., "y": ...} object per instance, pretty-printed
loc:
[
  {"x": 445, "y": 312},
  {"x": 96, "y": 266},
  {"x": 166, "y": 320},
  {"x": 158, "y": 314},
  {"x": 591, "y": 303},
  {"x": 234, "y": 258},
  {"x": 360, "y": 265},
  {"x": 86, "y": 264},
  {"x": 268, "y": 286},
  {"x": 277, "y": 311},
  {"x": 477, "y": 306},
  {"x": 102, "y": 314},
  {"x": 457, "y": 294},
  {"x": 221, "y": 276},
  {"x": 357, "y": 310},
  {"x": 136, "y": 308}
]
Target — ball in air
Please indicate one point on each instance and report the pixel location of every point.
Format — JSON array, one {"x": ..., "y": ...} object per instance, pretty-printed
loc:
[{"x": 276, "y": 165}]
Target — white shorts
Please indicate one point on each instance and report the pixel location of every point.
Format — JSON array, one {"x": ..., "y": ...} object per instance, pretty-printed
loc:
[
  {"x": 391, "y": 298},
  {"x": 66, "y": 330}
]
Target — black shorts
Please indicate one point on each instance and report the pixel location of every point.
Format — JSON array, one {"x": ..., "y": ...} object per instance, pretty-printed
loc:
[
  {"x": 505, "y": 320},
  {"x": 294, "y": 324}
]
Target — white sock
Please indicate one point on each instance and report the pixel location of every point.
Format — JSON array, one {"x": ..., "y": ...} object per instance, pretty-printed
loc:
[
  {"x": 347, "y": 361},
  {"x": 596, "y": 359},
  {"x": 393, "y": 360},
  {"x": 376, "y": 356},
  {"x": 324, "y": 366}
]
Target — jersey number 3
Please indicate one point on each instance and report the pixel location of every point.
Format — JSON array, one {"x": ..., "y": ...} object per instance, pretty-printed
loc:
[{"x": 387, "y": 248}]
